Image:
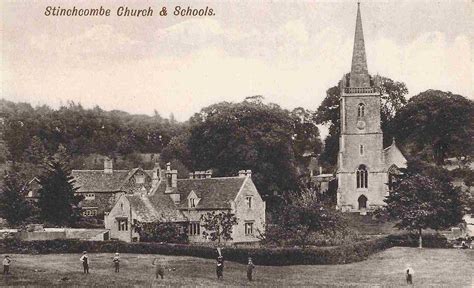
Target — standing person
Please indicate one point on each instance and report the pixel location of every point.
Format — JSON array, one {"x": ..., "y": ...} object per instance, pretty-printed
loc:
[
  {"x": 159, "y": 269},
  {"x": 116, "y": 261},
  {"x": 220, "y": 267},
  {"x": 85, "y": 262},
  {"x": 250, "y": 267},
  {"x": 409, "y": 277},
  {"x": 6, "y": 265}
]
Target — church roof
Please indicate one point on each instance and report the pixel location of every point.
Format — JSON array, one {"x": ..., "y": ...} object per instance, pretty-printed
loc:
[
  {"x": 359, "y": 76},
  {"x": 393, "y": 156}
]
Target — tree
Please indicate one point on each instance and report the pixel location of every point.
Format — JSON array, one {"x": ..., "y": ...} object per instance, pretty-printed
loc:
[
  {"x": 328, "y": 113},
  {"x": 57, "y": 202},
  {"x": 227, "y": 137},
  {"x": 307, "y": 213},
  {"x": 436, "y": 125},
  {"x": 419, "y": 202},
  {"x": 13, "y": 205},
  {"x": 218, "y": 225}
]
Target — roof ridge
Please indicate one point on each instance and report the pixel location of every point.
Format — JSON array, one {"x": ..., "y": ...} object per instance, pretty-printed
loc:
[
  {"x": 97, "y": 170},
  {"x": 215, "y": 178}
]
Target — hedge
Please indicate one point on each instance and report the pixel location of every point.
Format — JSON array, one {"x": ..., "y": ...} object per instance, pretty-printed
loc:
[
  {"x": 430, "y": 240},
  {"x": 261, "y": 256}
]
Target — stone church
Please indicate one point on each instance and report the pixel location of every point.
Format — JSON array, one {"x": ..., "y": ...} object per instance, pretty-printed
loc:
[{"x": 364, "y": 166}]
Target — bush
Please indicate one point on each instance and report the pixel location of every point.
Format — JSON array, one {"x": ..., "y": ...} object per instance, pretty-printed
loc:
[
  {"x": 262, "y": 256},
  {"x": 430, "y": 240}
]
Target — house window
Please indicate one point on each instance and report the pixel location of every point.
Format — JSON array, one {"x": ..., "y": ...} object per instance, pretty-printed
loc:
[
  {"x": 248, "y": 200},
  {"x": 192, "y": 202},
  {"x": 123, "y": 225},
  {"x": 140, "y": 179},
  {"x": 90, "y": 212},
  {"x": 194, "y": 228},
  {"x": 89, "y": 196},
  {"x": 362, "y": 177},
  {"x": 361, "y": 110},
  {"x": 248, "y": 228},
  {"x": 168, "y": 180},
  {"x": 361, "y": 150}
]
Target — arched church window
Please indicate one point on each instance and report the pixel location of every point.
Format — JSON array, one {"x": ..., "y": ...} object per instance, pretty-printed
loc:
[
  {"x": 361, "y": 149},
  {"x": 392, "y": 174},
  {"x": 361, "y": 110},
  {"x": 362, "y": 177}
]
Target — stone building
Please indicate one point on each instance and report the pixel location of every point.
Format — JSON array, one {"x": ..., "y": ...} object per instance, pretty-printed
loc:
[
  {"x": 364, "y": 166},
  {"x": 102, "y": 188},
  {"x": 184, "y": 201}
]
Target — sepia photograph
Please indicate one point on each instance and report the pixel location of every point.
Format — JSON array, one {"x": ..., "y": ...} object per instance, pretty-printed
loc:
[{"x": 148, "y": 143}]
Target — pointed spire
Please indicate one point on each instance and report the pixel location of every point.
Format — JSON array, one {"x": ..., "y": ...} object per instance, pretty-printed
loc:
[{"x": 359, "y": 73}]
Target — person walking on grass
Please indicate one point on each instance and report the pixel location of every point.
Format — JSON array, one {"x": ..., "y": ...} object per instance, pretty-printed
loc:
[
  {"x": 6, "y": 265},
  {"x": 250, "y": 267},
  {"x": 159, "y": 268},
  {"x": 220, "y": 267},
  {"x": 116, "y": 261},
  {"x": 409, "y": 276},
  {"x": 85, "y": 262}
]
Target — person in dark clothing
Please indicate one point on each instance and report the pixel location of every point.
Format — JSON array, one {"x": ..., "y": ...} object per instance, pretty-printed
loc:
[
  {"x": 160, "y": 269},
  {"x": 6, "y": 265},
  {"x": 85, "y": 262},
  {"x": 116, "y": 261},
  {"x": 250, "y": 267},
  {"x": 220, "y": 267},
  {"x": 409, "y": 277}
]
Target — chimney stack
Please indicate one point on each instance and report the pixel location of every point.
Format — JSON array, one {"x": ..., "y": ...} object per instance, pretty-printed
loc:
[
  {"x": 108, "y": 166},
  {"x": 245, "y": 173},
  {"x": 156, "y": 174},
  {"x": 171, "y": 178}
]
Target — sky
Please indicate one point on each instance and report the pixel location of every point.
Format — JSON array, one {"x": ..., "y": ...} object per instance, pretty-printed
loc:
[{"x": 290, "y": 52}]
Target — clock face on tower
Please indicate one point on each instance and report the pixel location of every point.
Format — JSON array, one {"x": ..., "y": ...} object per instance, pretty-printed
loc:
[{"x": 360, "y": 124}]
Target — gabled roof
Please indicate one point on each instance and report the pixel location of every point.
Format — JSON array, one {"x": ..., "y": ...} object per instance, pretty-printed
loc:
[
  {"x": 393, "y": 156},
  {"x": 215, "y": 193},
  {"x": 98, "y": 181},
  {"x": 155, "y": 207}
]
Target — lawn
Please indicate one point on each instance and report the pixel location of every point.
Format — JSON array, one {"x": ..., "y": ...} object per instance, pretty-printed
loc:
[{"x": 433, "y": 267}]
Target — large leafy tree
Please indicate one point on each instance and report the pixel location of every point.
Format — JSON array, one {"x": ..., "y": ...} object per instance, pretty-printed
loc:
[
  {"x": 218, "y": 225},
  {"x": 13, "y": 206},
  {"x": 328, "y": 113},
  {"x": 228, "y": 137},
  {"x": 436, "y": 125},
  {"x": 419, "y": 201},
  {"x": 57, "y": 202}
]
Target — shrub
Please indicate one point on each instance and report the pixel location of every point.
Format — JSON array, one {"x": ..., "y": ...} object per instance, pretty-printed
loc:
[
  {"x": 430, "y": 240},
  {"x": 167, "y": 232}
]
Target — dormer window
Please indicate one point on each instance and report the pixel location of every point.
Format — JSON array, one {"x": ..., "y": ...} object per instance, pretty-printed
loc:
[
  {"x": 248, "y": 200},
  {"x": 361, "y": 110}
]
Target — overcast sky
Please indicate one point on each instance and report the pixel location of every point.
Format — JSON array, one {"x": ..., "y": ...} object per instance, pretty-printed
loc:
[{"x": 289, "y": 52}]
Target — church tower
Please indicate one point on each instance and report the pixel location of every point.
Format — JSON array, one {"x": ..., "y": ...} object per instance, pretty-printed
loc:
[{"x": 362, "y": 173}]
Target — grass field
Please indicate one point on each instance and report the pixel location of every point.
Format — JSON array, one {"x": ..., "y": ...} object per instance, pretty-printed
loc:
[{"x": 433, "y": 267}]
